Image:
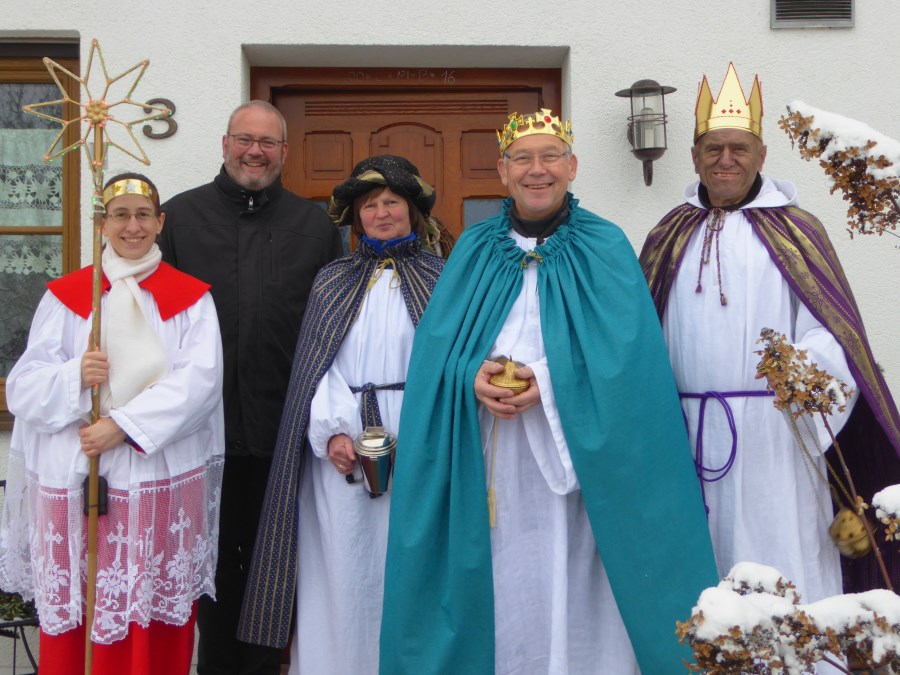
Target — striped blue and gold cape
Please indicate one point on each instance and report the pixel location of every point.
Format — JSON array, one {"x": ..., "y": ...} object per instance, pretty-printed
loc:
[
  {"x": 622, "y": 421},
  {"x": 334, "y": 304}
]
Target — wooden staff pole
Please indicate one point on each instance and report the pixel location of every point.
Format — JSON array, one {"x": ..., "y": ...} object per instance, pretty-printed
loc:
[
  {"x": 856, "y": 507},
  {"x": 93, "y": 496}
]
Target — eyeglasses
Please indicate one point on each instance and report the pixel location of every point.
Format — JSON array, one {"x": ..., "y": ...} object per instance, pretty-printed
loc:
[
  {"x": 246, "y": 142},
  {"x": 123, "y": 217},
  {"x": 545, "y": 158}
]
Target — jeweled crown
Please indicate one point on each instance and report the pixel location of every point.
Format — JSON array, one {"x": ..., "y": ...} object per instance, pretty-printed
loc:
[
  {"x": 542, "y": 122},
  {"x": 730, "y": 110}
]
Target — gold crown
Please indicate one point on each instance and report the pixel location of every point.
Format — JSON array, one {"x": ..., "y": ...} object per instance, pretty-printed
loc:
[
  {"x": 128, "y": 186},
  {"x": 731, "y": 110},
  {"x": 538, "y": 123}
]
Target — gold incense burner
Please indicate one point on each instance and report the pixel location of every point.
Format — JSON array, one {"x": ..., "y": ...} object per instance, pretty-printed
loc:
[{"x": 848, "y": 532}]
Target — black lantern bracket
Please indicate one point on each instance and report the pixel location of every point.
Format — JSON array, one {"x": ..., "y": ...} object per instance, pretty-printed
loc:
[{"x": 646, "y": 130}]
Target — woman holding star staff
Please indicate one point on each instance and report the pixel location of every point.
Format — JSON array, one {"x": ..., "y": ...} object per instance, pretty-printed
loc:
[
  {"x": 158, "y": 442},
  {"x": 96, "y": 114}
]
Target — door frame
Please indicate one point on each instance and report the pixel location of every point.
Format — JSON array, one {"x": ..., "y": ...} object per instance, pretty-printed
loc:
[{"x": 265, "y": 79}]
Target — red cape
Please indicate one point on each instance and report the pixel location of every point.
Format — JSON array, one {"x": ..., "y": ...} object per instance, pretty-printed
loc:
[{"x": 173, "y": 291}]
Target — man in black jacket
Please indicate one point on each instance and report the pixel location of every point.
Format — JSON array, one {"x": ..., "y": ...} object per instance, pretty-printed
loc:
[{"x": 259, "y": 246}]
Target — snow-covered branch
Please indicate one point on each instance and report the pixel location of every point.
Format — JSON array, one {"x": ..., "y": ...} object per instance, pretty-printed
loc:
[
  {"x": 754, "y": 622},
  {"x": 863, "y": 164},
  {"x": 887, "y": 510},
  {"x": 800, "y": 387}
]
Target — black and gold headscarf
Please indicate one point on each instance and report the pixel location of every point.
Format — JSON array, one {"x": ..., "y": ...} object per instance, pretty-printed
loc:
[{"x": 402, "y": 177}]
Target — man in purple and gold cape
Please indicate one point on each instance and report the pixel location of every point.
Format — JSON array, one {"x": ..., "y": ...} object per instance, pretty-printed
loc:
[{"x": 739, "y": 256}]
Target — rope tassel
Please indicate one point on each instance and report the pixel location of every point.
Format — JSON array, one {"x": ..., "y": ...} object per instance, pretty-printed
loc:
[
  {"x": 382, "y": 266},
  {"x": 492, "y": 507},
  {"x": 714, "y": 224},
  {"x": 491, "y": 495}
]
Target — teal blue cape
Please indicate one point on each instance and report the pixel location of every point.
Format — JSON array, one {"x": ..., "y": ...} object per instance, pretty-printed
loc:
[{"x": 622, "y": 421}]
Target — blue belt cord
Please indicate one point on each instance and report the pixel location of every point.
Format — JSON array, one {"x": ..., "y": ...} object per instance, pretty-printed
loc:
[{"x": 371, "y": 413}]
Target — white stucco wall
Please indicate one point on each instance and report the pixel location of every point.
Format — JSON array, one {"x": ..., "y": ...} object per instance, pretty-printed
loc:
[{"x": 200, "y": 55}]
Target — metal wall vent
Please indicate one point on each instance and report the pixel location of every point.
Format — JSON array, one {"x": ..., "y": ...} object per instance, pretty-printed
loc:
[{"x": 812, "y": 13}]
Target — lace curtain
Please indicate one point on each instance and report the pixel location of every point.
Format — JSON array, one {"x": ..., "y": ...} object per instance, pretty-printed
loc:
[
  {"x": 30, "y": 195},
  {"x": 30, "y": 189}
]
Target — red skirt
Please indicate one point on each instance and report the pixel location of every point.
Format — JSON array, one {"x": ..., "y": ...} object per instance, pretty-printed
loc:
[{"x": 159, "y": 648}]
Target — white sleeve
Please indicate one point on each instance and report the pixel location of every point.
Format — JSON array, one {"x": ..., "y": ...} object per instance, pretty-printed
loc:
[
  {"x": 44, "y": 387},
  {"x": 334, "y": 410},
  {"x": 180, "y": 403},
  {"x": 824, "y": 350},
  {"x": 545, "y": 435}
]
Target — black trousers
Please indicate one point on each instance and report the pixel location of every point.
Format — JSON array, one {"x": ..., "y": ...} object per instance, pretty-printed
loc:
[{"x": 219, "y": 651}]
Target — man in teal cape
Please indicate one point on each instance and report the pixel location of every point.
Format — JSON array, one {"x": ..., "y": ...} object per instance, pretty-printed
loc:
[{"x": 591, "y": 462}]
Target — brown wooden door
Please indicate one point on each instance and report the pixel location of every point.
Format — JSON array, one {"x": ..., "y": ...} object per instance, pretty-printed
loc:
[{"x": 444, "y": 121}]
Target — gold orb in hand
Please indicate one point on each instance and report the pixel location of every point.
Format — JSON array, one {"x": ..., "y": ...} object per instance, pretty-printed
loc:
[{"x": 507, "y": 378}]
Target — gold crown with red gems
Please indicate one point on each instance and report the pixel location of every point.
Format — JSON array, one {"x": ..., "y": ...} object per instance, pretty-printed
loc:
[
  {"x": 730, "y": 110},
  {"x": 542, "y": 122}
]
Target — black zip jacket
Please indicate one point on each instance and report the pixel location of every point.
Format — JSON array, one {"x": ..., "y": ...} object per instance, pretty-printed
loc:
[{"x": 260, "y": 252}]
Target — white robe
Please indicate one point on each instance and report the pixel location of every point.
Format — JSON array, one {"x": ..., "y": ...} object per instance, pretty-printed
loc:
[
  {"x": 342, "y": 531},
  {"x": 772, "y": 507},
  {"x": 554, "y": 611},
  {"x": 157, "y": 546}
]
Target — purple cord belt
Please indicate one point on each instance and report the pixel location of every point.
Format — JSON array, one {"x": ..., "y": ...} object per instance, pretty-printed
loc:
[{"x": 705, "y": 473}]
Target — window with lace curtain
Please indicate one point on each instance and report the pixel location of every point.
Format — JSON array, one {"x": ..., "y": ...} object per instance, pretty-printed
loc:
[{"x": 39, "y": 234}]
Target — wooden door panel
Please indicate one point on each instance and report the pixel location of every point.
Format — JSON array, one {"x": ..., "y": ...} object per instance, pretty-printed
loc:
[
  {"x": 326, "y": 157},
  {"x": 448, "y": 132},
  {"x": 423, "y": 146},
  {"x": 479, "y": 155},
  {"x": 420, "y": 144}
]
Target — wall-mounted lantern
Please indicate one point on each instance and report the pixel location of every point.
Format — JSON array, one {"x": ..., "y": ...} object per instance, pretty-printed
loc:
[{"x": 647, "y": 123}]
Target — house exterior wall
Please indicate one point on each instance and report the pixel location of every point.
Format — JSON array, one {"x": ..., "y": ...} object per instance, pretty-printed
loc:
[{"x": 200, "y": 54}]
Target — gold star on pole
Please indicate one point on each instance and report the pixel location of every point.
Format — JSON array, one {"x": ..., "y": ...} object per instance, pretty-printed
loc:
[{"x": 98, "y": 113}]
